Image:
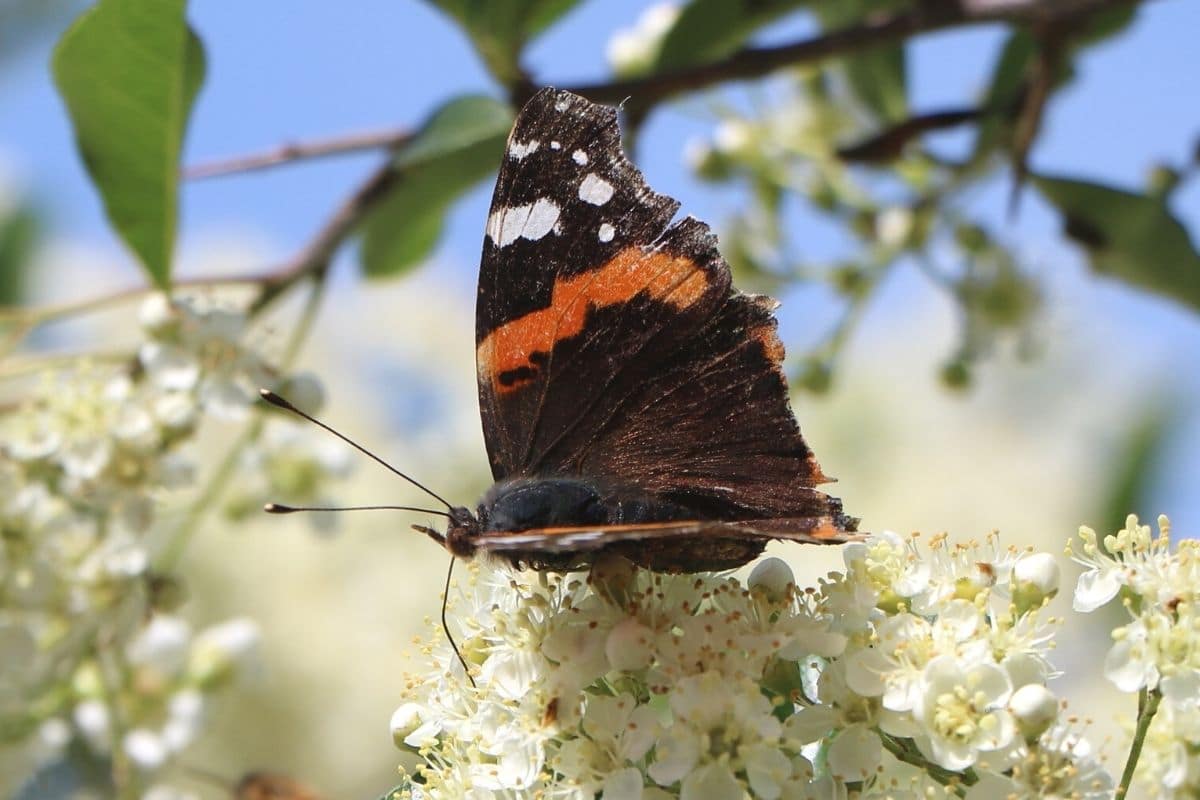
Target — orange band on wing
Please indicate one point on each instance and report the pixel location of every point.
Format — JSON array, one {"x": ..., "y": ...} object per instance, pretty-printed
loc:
[{"x": 504, "y": 356}]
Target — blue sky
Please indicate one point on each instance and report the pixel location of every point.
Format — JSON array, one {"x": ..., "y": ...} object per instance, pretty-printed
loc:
[{"x": 290, "y": 71}]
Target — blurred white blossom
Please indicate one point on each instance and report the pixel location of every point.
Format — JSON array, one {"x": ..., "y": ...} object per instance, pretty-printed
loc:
[
  {"x": 633, "y": 50},
  {"x": 89, "y": 649}
]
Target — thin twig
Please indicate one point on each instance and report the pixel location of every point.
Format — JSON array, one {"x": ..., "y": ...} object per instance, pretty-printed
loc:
[
  {"x": 873, "y": 32},
  {"x": 954, "y": 781},
  {"x": 889, "y": 143},
  {"x": 316, "y": 257},
  {"x": 297, "y": 151},
  {"x": 40, "y": 316}
]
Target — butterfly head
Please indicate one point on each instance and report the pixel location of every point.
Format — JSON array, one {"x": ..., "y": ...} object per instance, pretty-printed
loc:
[{"x": 461, "y": 533}]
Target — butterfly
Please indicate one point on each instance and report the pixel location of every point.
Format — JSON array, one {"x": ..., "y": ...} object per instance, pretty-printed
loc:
[{"x": 632, "y": 401}]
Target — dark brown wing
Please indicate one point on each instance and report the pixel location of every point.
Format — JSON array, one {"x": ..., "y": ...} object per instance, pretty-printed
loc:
[
  {"x": 610, "y": 345},
  {"x": 690, "y": 546}
]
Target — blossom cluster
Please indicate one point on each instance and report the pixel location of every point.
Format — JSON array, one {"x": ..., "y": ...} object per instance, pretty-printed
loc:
[
  {"x": 908, "y": 674},
  {"x": 1158, "y": 651},
  {"x": 90, "y": 647}
]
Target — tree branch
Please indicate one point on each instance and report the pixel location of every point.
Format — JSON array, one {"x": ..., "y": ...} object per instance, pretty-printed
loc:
[
  {"x": 296, "y": 151},
  {"x": 874, "y": 31},
  {"x": 887, "y": 144},
  {"x": 317, "y": 255}
]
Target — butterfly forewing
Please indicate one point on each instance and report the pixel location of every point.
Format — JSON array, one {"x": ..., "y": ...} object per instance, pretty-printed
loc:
[{"x": 612, "y": 346}]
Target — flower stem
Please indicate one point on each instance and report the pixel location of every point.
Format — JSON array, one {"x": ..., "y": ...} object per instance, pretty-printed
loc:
[
  {"x": 1148, "y": 701},
  {"x": 955, "y": 781}
]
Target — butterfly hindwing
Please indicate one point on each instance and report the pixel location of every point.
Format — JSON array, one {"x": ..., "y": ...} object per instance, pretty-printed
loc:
[{"x": 668, "y": 546}]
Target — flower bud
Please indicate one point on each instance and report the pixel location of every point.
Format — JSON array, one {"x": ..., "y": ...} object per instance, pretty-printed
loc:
[
  {"x": 1035, "y": 578},
  {"x": 406, "y": 720},
  {"x": 773, "y": 577},
  {"x": 1034, "y": 707}
]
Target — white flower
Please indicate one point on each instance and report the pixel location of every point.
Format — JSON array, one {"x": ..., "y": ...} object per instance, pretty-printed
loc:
[
  {"x": 201, "y": 351},
  {"x": 161, "y": 646},
  {"x": 963, "y": 712},
  {"x": 893, "y": 226},
  {"x": 633, "y": 50},
  {"x": 1059, "y": 764},
  {"x": 145, "y": 749}
]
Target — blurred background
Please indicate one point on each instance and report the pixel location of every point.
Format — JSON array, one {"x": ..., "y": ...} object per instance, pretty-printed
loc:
[{"x": 1085, "y": 411}]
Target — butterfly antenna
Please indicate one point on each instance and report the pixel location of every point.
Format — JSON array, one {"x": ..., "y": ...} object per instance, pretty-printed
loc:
[
  {"x": 280, "y": 508},
  {"x": 279, "y": 402},
  {"x": 446, "y": 626}
]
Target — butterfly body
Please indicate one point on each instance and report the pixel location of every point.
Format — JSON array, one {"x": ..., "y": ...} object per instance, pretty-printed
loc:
[{"x": 632, "y": 400}]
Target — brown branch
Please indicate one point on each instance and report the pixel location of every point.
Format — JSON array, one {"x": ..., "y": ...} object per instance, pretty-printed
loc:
[
  {"x": 888, "y": 143},
  {"x": 286, "y": 153},
  {"x": 317, "y": 255},
  {"x": 1052, "y": 46},
  {"x": 929, "y": 15}
]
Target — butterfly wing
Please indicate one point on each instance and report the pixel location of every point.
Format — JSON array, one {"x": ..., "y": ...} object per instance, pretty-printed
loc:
[{"x": 611, "y": 344}]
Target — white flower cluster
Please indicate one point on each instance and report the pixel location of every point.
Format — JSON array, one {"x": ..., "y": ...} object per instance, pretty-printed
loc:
[
  {"x": 1158, "y": 651},
  {"x": 162, "y": 696},
  {"x": 903, "y": 676},
  {"x": 84, "y": 462}
]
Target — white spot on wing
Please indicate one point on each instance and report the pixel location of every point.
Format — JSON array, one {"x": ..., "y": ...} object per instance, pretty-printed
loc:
[
  {"x": 519, "y": 150},
  {"x": 595, "y": 190},
  {"x": 556, "y": 145},
  {"x": 531, "y": 221},
  {"x": 606, "y": 233},
  {"x": 560, "y": 104},
  {"x": 580, "y": 157}
]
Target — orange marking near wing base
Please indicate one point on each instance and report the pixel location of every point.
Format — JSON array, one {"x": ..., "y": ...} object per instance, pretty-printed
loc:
[
  {"x": 771, "y": 344},
  {"x": 676, "y": 280}
]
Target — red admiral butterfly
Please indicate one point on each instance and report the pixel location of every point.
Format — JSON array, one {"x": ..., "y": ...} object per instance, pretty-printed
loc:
[{"x": 633, "y": 401}]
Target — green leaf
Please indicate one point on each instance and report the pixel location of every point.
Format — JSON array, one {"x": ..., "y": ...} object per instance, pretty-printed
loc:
[
  {"x": 707, "y": 30},
  {"x": 129, "y": 71},
  {"x": 499, "y": 29},
  {"x": 1013, "y": 66},
  {"x": 460, "y": 145},
  {"x": 877, "y": 76},
  {"x": 1128, "y": 236},
  {"x": 879, "y": 79},
  {"x": 18, "y": 235}
]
